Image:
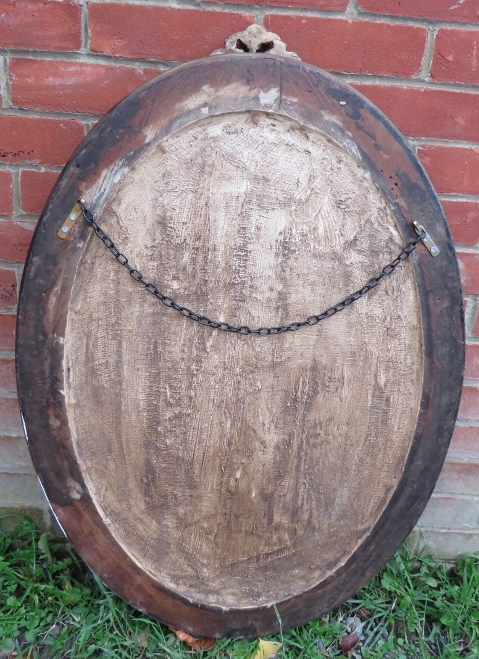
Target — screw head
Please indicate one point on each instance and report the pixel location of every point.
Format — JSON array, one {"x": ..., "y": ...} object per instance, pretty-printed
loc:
[
  {"x": 65, "y": 229},
  {"x": 433, "y": 250},
  {"x": 73, "y": 216}
]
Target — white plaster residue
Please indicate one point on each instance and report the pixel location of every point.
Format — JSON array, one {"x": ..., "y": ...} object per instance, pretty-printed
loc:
[
  {"x": 348, "y": 143},
  {"x": 269, "y": 98},
  {"x": 103, "y": 186},
  {"x": 459, "y": 3},
  {"x": 195, "y": 100},
  {"x": 207, "y": 94},
  {"x": 150, "y": 132}
]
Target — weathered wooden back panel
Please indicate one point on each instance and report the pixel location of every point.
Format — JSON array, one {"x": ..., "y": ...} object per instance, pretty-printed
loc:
[{"x": 225, "y": 473}]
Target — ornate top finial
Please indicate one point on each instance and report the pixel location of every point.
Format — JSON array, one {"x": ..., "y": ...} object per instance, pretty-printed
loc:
[{"x": 255, "y": 39}]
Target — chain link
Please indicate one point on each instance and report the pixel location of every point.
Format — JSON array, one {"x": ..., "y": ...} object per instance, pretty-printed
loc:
[{"x": 245, "y": 329}]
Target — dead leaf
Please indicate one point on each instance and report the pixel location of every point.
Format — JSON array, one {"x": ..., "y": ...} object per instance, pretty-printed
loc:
[
  {"x": 198, "y": 644},
  {"x": 353, "y": 623},
  {"x": 348, "y": 642},
  {"x": 267, "y": 649},
  {"x": 142, "y": 639},
  {"x": 364, "y": 614}
]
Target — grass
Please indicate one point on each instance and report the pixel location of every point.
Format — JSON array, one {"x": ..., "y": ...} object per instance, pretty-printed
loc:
[{"x": 51, "y": 606}]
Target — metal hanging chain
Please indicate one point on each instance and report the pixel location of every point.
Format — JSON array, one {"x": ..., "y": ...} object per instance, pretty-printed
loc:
[{"x": 245, "y": 329}]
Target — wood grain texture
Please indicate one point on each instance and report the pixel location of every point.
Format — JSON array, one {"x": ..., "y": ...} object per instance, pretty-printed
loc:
[
  {"x": 205, "y": 476},
  {"x": 243, "y": 458}
]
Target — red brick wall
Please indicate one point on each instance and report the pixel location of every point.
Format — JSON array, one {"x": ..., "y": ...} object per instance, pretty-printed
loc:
[{"x": 65, "y": 62}]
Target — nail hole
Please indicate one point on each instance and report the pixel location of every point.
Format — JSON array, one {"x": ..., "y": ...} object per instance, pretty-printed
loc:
[
  {"x": 240, "y": 45},
  {"x": 265, "y": 46}
]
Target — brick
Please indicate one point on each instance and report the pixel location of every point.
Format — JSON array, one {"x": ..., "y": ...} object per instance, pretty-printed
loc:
[
  {"x": 14, "y": 456},
  {"x": 40, "y": 25},
  {"x": 451, "y": 169},
  {"x": 471, "y": 371},
  {"x": 459, "y": 478},
  {"x": 465, "y": 443},
  {"x": 8, "y": 288},
  {"x": 8, "y": 323},
  {"x": 469, "y": 407},
  {"x": 165, "y": 33},
  {"x": 456, "y": 56},
  {"x": 460, "y": 10},
  {"x": 38, "y": 141},
  {"x": 450, "y": 512},
  {"x": 353, "y": 46},
  {"x": 420, "y": 112},
  {"x": 35, "y": 188},
  {"x": 443, "y": 543},
  {"x": 475, "y": 327},
  {"x": 469, "y": 269},
  {"x": 10, "y": 417},
  {"x": 15, "y": 239},
  {"x": 6, "y": 193},
  {"x": 20, "y": 491},
  {"x": 8, "y": 383},
  {"x": 72, "y": 86},
  {"x": 333, "y": 5},
  {"x": 463, "y": 220}
]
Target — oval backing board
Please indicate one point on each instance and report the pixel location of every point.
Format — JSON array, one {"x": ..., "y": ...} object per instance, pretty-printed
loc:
[{"x": 206, "y": 476}]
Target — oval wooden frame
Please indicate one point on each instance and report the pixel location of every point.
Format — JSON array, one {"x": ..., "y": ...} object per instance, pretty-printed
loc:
[{"x": 311, "y": 97}]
